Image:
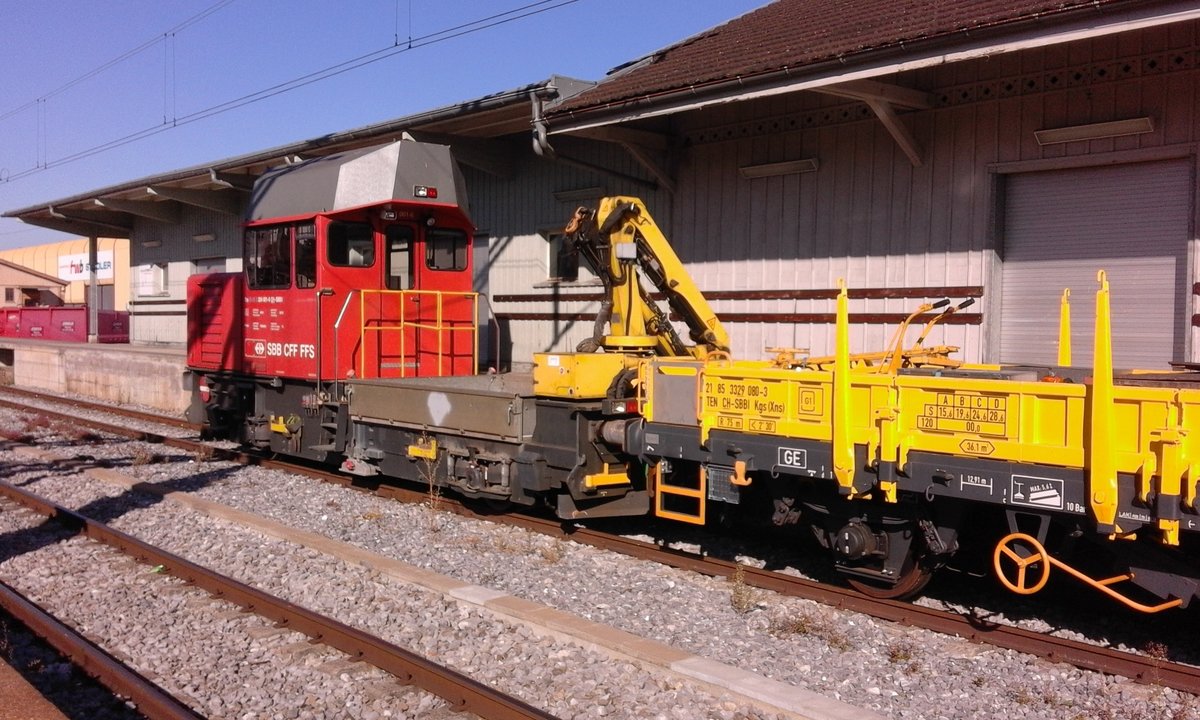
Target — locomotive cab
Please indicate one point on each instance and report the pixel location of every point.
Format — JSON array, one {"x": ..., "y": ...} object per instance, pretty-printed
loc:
[{"x": 357, "y": 265}]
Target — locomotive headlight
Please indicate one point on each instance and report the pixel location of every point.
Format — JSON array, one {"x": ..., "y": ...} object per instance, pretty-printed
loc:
[{"x": 425, "y": 191}]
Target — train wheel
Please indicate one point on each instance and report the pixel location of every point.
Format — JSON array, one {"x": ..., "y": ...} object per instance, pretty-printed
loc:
[{"x": 913, "y": 579}]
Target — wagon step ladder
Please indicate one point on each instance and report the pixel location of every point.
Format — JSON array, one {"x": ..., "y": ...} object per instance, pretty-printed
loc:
[{"x": 680, "y": 496}]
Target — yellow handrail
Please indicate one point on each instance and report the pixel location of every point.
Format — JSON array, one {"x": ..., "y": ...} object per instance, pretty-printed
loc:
[{"x": 439, "y": 325}]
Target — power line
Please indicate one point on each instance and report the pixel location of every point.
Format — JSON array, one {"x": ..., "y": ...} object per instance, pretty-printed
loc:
[
  {"x": 491, "y": 21},
  {"x": 120, "y": 58}
]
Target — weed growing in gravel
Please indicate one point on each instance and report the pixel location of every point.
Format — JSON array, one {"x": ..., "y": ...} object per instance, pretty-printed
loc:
[
  {"x": 371, "y": 515},
  {"x": 552, "y": 553},
  {"x": 145, "y": 456},
  {"x": 204, "y": 453},
  {"x": 1156, "y": 650},
  {"x": 742, "y": 597},
  {"x": 802, "y": 624},
  {"x": 809, "y": 624},
  {"x": 1189, "y": 710},
  {"x": 428, "y": 471},
  {"x": 899, "y": 651},
  {"x": 1022, "y": 696}
]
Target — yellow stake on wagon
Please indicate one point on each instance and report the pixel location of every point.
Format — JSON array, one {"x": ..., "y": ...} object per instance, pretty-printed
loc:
[
  {"x": 1102, "y": 465},
  {"x": 1064, "y": 329},
  {"x": 843, "y": 444}
]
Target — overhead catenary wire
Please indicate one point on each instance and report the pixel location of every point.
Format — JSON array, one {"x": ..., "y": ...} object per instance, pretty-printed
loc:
[
  {"x": 132, "y": 52},
  {"x": 485, "y": 23}
]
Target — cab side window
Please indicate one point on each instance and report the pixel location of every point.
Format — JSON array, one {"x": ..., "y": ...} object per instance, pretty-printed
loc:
[
  {"x": 268, "y": 257},
  {"x": 351, "y": 244},
  {"x": 306, "y": 256},
  {"x": 446, "y": 249}
]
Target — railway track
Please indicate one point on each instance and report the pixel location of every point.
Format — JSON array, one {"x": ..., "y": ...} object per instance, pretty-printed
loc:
[
  {"x": 1145, "y": 669},
  {"x": 123, "y": 681},
  {"x": 459, "y": 691}
]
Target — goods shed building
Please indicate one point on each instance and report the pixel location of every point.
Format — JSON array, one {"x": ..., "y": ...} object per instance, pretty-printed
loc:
[{"x": 1002, "y": 151}]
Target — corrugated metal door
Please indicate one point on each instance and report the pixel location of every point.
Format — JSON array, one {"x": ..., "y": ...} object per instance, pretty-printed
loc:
[{"x": 1132, "y": 221}]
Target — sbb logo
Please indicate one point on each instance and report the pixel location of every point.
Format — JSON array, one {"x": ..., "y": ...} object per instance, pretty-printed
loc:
[{"x": 793, "y": 458}]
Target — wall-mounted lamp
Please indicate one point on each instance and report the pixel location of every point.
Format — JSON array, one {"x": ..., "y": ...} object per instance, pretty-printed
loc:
[
  {"x": 1094, "y": 131},
  {"x": 151, "y": 243},
  {"x": 788, "y": 167},
  {"x": 204, "y": 237}
]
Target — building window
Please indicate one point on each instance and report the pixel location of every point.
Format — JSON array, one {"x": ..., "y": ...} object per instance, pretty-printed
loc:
[
  {"x": 562, "y": 264},
  {"x": 446, "y": 249},
  {"x": 152, "y": 280},
  {"x": 203, "y": 266},
  {"x": 10, "y": 295}
]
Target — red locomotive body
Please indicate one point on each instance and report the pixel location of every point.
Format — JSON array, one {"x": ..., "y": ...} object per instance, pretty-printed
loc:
[{"x": 356, "y": 265}]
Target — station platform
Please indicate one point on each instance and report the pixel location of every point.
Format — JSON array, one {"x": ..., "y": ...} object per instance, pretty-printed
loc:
[
  {"x": 149, "y": 375},
  {"x": 23, "y": 701}
]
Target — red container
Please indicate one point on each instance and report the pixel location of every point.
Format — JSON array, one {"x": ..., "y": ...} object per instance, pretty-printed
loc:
[{"x": 112, "y": 326}]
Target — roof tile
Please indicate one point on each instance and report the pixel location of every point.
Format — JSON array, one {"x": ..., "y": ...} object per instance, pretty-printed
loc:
[{"x": 796, "y": 33}]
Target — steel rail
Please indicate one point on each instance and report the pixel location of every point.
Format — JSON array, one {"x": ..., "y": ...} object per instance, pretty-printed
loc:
[
  {"x": 458, "y": 690},
  {"x": 99, "y": 407},
  {"x": 973, "y": 628},
  {"x": 151, "y": 700}
]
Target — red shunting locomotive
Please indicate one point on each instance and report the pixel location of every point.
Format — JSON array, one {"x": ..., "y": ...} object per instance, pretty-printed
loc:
[{"x": 355, "y": 265}]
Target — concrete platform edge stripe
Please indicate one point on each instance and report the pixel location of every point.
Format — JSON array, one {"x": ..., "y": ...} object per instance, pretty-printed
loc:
[
  {"x": 772, "y": 692},
  {"x": 778, "y": 695}
]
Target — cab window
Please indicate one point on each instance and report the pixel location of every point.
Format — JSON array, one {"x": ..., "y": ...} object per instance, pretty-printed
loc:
[
  {"x": 446, "y": 249},
  {"x": 306, "y": 256},
  {"x": 268, "y": 257},
  {"x": 399, "y": 240},
  {"x": 351, "y": 244}
]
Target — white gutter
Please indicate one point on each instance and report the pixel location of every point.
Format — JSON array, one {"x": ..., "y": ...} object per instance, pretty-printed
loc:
[{"x": 1082, "y": 30}]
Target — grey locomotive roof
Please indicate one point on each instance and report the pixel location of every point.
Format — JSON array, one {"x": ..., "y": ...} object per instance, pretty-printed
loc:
[{"x": 356, "y": 178}]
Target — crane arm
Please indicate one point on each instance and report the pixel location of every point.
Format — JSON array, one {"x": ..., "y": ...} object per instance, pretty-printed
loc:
[{"x": 624, "y": 246}]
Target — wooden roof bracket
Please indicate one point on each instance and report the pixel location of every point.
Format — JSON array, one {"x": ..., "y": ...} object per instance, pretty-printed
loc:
[
  {"x": 883, "y": 99},
  {"x": 898, "y": 130}
]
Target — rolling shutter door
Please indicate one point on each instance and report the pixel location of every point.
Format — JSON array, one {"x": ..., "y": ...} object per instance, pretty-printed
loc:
[{"x": 1132, "y": 221}]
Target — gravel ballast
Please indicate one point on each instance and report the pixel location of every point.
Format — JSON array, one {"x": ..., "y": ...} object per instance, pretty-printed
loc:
[{"x": 895, "y": 671}]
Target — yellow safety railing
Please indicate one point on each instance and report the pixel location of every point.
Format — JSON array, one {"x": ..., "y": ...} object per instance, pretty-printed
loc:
[{"x": 440, "y": 325}]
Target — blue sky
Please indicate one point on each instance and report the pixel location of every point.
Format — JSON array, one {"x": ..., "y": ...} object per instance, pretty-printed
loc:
[{"x": 245, "y": 46}]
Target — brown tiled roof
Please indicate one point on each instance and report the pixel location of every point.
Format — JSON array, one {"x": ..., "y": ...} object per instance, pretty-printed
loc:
[{"x": 798, "y": 33}]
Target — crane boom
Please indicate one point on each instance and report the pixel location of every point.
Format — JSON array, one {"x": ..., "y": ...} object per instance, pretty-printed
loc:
[{"x": 622, "y": 244}]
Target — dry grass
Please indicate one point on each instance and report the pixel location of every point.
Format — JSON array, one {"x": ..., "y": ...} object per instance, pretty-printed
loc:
[
  {"x": 146, "y": 456},
  {"x": 552, "y": 553},
  {"x": 742, "y": 598},
  {"x": 812, "y": 625},
  {"x": 900, "y": 651}
]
